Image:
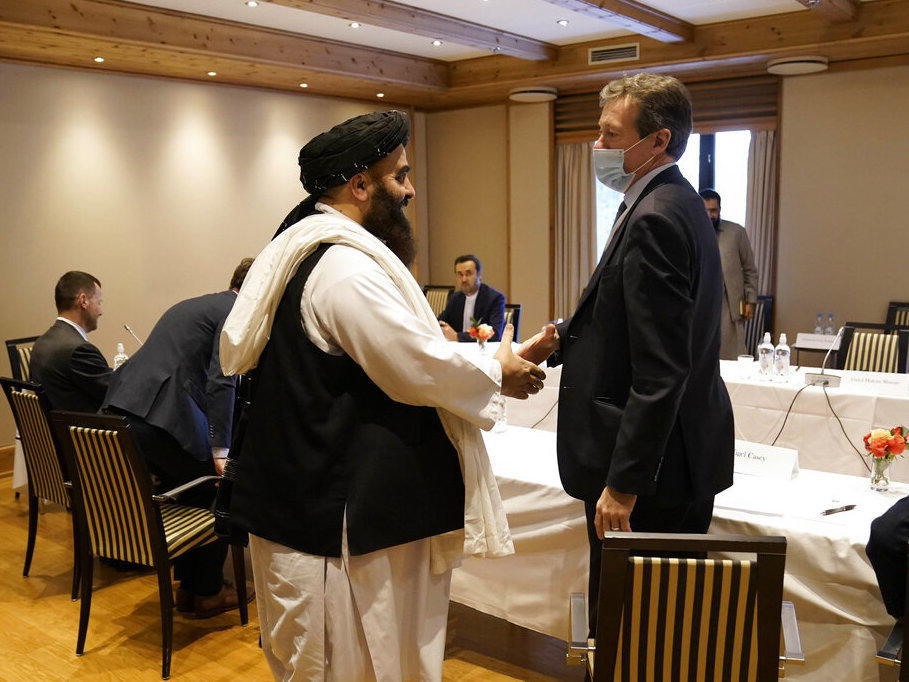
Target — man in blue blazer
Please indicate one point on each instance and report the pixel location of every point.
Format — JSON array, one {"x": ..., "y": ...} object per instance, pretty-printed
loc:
[
  {"x": 180, "y": 408},
  {"x": 645, "y": 427},
  {"x": 474, "y": 300}
]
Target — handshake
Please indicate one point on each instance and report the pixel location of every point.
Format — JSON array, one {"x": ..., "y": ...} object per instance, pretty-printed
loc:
[{"x": 521, "y": 374}]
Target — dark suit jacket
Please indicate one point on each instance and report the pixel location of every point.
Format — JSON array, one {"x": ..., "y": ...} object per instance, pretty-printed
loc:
[
  {"x": 72, "y": 370},
  {"x": 489, "y": 308},
  {"x": 174, "y": 380},
  {"x": 642, "y": 406}
]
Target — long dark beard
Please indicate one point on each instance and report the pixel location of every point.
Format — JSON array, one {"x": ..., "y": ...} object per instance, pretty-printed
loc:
[{"x": 386, "y": 220}]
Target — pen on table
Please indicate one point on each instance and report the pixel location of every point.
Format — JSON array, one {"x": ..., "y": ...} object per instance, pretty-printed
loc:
[{"x": 836, "y": 510}]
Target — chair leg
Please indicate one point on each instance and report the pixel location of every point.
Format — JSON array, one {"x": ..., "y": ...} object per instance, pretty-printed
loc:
[
  {"x": 166, "y": 596},
  {"x": 77, "y": 566},
  {"x": 236, "y": 552},
  {"x": 32, "y": 532},
  {"x": 85, "y": 608}
]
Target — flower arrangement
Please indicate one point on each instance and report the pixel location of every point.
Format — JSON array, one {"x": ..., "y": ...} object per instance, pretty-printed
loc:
[
  {"x": 481, "y": 332},
  {"x": 886, "y": 444},
  {"x": 883, "y": 446}
]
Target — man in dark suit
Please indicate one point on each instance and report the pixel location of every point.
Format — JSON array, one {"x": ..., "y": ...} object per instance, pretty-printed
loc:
[
  {"x": 180, "y": 408},
  {"x": 645, "y": 430},
  {"x": 72, "y": 370},
  {"x": 474, "y": 300}
]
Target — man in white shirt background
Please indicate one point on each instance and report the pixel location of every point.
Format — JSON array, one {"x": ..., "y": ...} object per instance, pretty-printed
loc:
[{"x": 474, "y": 300}]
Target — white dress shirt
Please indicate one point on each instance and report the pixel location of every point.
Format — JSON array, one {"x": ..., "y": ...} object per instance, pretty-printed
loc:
[
  {"x": 76, "y": 327},
  {"x": 470, "y": 304}
]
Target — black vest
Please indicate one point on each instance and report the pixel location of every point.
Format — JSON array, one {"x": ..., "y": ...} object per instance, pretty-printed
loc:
[{"x": 322, "y": 436}]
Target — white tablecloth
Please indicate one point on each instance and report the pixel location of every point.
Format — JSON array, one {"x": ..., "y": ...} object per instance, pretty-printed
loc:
[
  {"x": 841, "y": 616},
  {"x": 760, "y": 408}
]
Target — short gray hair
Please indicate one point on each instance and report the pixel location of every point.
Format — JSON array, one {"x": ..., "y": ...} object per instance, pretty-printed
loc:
[{"x": 663, "y": 102}]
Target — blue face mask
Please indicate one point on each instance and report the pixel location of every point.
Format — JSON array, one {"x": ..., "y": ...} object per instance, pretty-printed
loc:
[{"x": 609, "y": 167}]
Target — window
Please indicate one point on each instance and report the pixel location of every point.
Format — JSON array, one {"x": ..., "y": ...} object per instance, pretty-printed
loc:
[{"x": 718, "y": 160}]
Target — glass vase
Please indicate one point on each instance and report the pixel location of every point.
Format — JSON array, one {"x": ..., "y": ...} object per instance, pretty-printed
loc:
[
  {"x": 880, "y": 473},
  {"x": 481, "y": 343}
]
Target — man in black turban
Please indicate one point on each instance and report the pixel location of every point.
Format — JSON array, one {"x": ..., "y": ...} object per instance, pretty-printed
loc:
[
  {"x": 348, "y": 483},
  {"x": 331, "y": 159}
]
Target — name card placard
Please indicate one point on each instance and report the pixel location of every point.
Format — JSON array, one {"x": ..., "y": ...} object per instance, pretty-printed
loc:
[
  {"x": 815, "y": 341},
  {"x": 767, "y": 461},
  {"x": 881, "y": 383}
]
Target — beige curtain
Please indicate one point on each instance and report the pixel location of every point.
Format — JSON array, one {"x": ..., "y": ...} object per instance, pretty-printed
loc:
[
  {"x": 760, "y": 215},
  {"x": 575, "y": 225}
]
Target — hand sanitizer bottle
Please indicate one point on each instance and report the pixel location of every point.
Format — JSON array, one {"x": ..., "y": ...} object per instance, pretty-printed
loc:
[{"x": 120, "y": 357}]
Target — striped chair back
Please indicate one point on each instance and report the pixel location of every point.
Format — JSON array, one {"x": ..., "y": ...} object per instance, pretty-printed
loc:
[
  {"x": 513, "y": 316},
  {"x": 437, "y": 297},
  {"x": 20, "y": 356},
  {"x": 898, "y": 314},
  {"x": 662, "y": 618},
  {"x": 42, "y": 460},
  {"x": 688, "y": 619},
  {"x": 759, "y": 324},
  {"x": 115, "y": 490},
  {"x": 872, "y": 352}
]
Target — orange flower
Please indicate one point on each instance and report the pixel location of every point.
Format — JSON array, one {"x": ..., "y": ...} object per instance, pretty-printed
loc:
[
  {"x": 485, "y": 332},
  {"x": 896, "y": 444},
  {"x": 884, "y": 443},
  {"x": 473, "y": 332}
]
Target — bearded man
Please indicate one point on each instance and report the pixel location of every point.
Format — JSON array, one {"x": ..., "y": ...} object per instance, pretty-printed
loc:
[{"x": 360, "y": 479}]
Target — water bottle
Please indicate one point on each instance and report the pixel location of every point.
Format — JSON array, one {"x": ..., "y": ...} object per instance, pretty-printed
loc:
[
  {"x": 829, "y": 328},
  {"x": 765, "y": 356},
  {"x": 819, "y": 324},
  {"x": 781, "y": 359},
  {"x": 120, "y": 357}
]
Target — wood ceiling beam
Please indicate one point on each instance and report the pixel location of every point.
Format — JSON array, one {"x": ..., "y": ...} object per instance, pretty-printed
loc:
[
  {"x": 880, "y": 30},
  {"x": 635, "y": 17},
  {"x": 408, "y": 19},
  {"x": 194, "y": 38},
  {"x": 834, "y": 10}
]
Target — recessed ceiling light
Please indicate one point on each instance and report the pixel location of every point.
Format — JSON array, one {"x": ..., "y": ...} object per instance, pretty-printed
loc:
[
  {"x": 437, "y": 43},
  {"x": 380, "y": 94},
  {"x": 252, "y": 3},
  {"x": 99, "y": 59},
  {"x": 497, "y": 49},
  {"x": 562, "y": 22},
  {"x": 354, "y": 24},
  {"x": 304, "y": 85},
  {"x": 212, "y": 73}
]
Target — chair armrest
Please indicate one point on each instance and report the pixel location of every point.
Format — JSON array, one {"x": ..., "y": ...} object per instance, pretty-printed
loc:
[
  {"x": 890, "y": 652},
  {"x": 171, "y": 495},
  {"x": 578, "y": 645},
  {"x": 792, "y": 643}
]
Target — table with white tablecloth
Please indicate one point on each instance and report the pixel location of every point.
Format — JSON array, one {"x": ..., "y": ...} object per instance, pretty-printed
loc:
[
  {"x": 841, "y": 616},
  {"x": 826, "y": 434}
]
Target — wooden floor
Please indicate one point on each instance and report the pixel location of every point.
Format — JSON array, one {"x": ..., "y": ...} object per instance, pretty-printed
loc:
[{"x": 39, "y": 623}]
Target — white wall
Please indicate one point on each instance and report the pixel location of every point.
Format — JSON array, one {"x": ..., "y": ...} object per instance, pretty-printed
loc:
[
  {"x": 156, "y": 187},
  {"x": 844, "y": 177}
]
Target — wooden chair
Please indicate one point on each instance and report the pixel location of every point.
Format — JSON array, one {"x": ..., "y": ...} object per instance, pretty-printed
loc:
[
  {"x": 121, "y": 518},
  {"x": 873, "y": 350},
  {"x": 686, "y": 619},
  {"x": 757, "y": 326},
  {"x": 898, "y": 314},
  {"x": 513, "y": 315},
  {"x": 20, "y": 355},
  {"x": 48, "y": 477},
  {"x": 438, "y": 296}
]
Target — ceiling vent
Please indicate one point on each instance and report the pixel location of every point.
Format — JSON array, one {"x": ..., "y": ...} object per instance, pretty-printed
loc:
[
  {"x": 796, "y": 66},
  {"x": 614, "y": 53}
]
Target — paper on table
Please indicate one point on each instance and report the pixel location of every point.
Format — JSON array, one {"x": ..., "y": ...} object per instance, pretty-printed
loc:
[{"x": 759, "y": 496}]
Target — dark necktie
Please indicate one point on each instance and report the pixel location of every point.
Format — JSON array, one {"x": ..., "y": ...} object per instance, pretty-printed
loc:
[{"x": 619, "y": 213}]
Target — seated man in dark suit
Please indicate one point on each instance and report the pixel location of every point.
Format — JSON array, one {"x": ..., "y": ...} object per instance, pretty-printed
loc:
[
  {"x": 72, "y": 370},
  {"x": 180, "y": 408},
  {"x": 886, "y": 550},
  {"x": 474, "y": 300}
]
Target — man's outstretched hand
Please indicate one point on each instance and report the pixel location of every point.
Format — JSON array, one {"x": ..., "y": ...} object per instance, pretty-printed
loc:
[
  {"x": 540, "y": 346},
  {"x": 520, "y": 378}
]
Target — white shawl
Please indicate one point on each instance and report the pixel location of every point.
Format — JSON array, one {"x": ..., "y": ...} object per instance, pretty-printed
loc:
[{"x": 248, "y": 328}]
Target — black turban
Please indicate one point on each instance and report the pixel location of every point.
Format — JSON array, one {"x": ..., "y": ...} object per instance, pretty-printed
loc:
[{"x": 332, "y": 158}]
